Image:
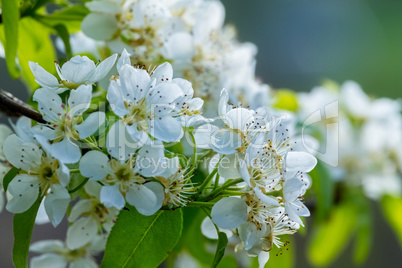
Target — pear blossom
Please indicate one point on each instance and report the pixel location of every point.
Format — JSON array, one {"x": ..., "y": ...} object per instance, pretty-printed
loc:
[
  {"x": 65, "y": 121},
  {"x": 41, "y": 175},
  {"x": 54, "y": 253},
  {"x": 79, "y": 70},
  {"x": 125, "y": 180},
  {"x": 241, "y": 127},
  {"x": 146, "y": 105},
  {"x": 176, "y": 183},
  {"x": 5, "y": 131},
  {"x": 89, "y": 218}
]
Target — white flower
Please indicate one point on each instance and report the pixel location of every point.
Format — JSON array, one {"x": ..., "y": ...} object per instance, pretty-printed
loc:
[
  {"x": 4, "y": 164},
  {"x": 42, "y": 175},
  {"x": 147, "y": 105},
  {"x": 56, "y": 254},
  {"x": 124, "y": 179},
  {"x": 75, "y": 72},
  {"x": 65, "y": 121},
  {"x": 241, "y": 127},
  {"x": 293, "y": 189},
  {"x": 176, "y": 183}
]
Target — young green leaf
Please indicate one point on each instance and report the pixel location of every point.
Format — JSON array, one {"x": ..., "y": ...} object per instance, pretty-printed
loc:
[
  {"x": 10, "y": 16},
  {"x": 332, "y": 236},
  {"x": 142, "y": 241},
  {"x": 323, "y": 186},
  {"x": 9, "y": 177},
  {"x": 220, "y": 249},
  {"x": 22, "y": 226},
  {"x": 364, "y": 229},
  {"x": 62, "y": 32},
  {"x": 391, "y": 207}
]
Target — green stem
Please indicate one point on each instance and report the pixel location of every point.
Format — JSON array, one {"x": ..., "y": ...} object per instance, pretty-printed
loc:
[
  {"x": 76, "y": 170},
  {"x": 216, "y": 181},
  {"x": 210, "y": 176},
  {"x": 79, "y": 186},
  {"x": 215, "y": 192},
  {"x": 200, "y": 204}
]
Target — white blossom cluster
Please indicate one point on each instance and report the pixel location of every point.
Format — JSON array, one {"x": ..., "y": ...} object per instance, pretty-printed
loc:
[
  {"x": 369, "y": 137},
  {"x": 189, "y": 34},
  {"x": 256, "y": 182}
]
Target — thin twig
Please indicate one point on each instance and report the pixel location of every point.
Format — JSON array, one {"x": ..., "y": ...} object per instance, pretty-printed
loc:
[{"x": 13, "y": 106}]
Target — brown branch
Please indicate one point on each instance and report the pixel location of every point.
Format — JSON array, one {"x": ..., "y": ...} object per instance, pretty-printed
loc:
[{"x": 13, "y": 106}]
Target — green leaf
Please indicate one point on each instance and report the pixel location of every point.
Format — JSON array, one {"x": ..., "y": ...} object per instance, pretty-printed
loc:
[
  {"x": 331, "y": 236},
  {"x": 9, "y": 177},
  {"x": 364, "y": 229},
  {"x": 391, "y": 207},
  {"x": 142, "y": 241},
  {"x": 37, "y": 47},
  {"x": 323, "y": 186},
  {"x": 62, "y": 31},
  {"x": 22, "y": 227},
  {"x": 70, "y": 16},
  {"x": 220, "y": 249},
  {"x": 10, "y": 16},
  {"x": 196, "y": 244}
]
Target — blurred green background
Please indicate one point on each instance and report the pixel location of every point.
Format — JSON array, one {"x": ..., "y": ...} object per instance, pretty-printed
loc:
[{"x": 301, "y": 43}]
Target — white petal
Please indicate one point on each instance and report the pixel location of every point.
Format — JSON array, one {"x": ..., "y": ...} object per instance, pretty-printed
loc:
[
  {"x": 82, "y": 206},
  {"x": 225, "y": 141},
  {"x": 45, "y": 131},
  {"x": 164, "y": 94},
  {"x": 163, "y": 73},
  {"x": 46, "y": 246},
  {"x": 291, "y": 212},
  {"x": 78, "y": 69},
  {"x": 239, "y": 118},
  {"x": 229, "y": 212},
  {"x": 41, "y": 216},
  {"x": 94, "y": 165},
  {"x": 56, "y": 203},
  {"x": 223, "y": 103},
  {"x": 228, "y": 167},
  {"x": 23, "y": 129},
  {"x": 263, "y": 258},
  {"x": 244, "y": 172},
  {"x": 299, "y": 161},
  {"x": 119, "y": 142},
  {"x": 91, "y": 124},
  {"x": 81, "y": 232},
  {"x": 151, "y": 160},
  {"x": 50, "y": 104},
  {"x": 115, "y": 98},
  {"x": 80, "y": 99},
  {"x": 66, "y": 151},
  {"x": 99, "y": 26},
  {"x": 103, "y": 69},
  {"x": 42, "y": 77},
  {"x": 141, "y": 197},
  {"x": 83, "y": 263},
  {"x": 124, "y": 59},
  {"x": 172, "y": 167},
  {"x": 110, "y": 196},
  {"x": 292, "y": 189},
  {"x": 21, "y": 154},
  {"x": 265, "y": 198},
  {"x": 166, "y": 128},
  {"x": 49, "y": 260},
  {"x": 202, "y": 135},
  {"x": 248, "y": 234},
  {"x": 134, "y": 83},
  {"x": 24, "y": 190},
  {"x": 147, "y": 210},
  {"x": 208, "y": 229},
  {"x": 64, "y": 174},
  {"x": 180, "y": 46}
]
